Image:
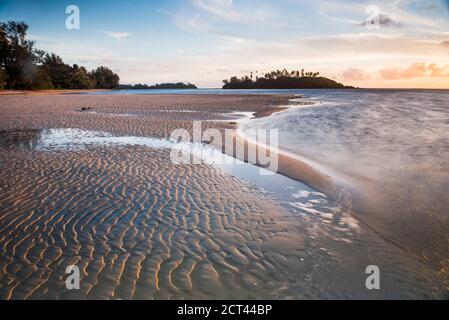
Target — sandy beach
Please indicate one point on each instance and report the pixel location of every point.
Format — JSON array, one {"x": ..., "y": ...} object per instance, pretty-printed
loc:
[
  {"x": 140, "y": 227},
  {"x": 224, "y": 150},
  {"x": 147, "y": 114}
]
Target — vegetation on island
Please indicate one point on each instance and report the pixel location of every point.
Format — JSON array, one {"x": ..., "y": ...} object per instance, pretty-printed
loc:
[
  {"x": 282, "y": 79},
  {"x": 24, "y": 67},
  {"x": 177, "y": 85}
]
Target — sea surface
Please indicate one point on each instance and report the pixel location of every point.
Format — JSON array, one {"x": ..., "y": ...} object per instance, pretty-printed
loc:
[
  {"x": 390, "y": 148},
  {"x": 199, "y": 91}
]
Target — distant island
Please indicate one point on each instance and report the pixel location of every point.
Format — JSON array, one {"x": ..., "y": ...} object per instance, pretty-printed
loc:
[
  {"x": 283, "y": 80},
  {"x": 177, "y": 85}
]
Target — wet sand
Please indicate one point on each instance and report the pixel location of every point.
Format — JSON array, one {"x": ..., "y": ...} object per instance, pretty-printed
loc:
[
  {"x": 141, "y": 115},
  {"x": 136, "y": 225},
  {"x": 140, "y": 227},
  {"x": 48, "y": 92}
]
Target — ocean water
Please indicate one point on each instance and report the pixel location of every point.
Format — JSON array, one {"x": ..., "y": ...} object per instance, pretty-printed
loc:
[{"x": 390, "y": 148}]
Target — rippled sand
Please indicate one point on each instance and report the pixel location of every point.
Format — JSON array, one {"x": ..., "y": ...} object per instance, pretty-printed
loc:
[
  {"x": 138, "y": 227},
  {"x": 141, "y": 227},
  {"x": 144, "y": 115}
]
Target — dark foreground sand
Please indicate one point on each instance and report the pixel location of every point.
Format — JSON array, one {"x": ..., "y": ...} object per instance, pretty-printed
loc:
[{"x": 139, "y": 226}]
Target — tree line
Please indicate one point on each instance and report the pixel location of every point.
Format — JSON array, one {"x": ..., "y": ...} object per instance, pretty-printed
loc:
[
  {"x": 24, "y": 67},
  {"x": 281, "y": 79},
  {"x": 177, "y": 85}
]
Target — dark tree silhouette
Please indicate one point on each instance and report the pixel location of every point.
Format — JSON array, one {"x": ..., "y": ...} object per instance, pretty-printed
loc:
[
  {"x": 2, "y": 78},
  {"x": 104, "y": 78},
  {"x": 17, "y": 54},
  {"x": 80, "y": 78},
  {"x": 59, "y": 72},
  {"x": 24, "y": 67},
  {"x": 282, "y": 79}
]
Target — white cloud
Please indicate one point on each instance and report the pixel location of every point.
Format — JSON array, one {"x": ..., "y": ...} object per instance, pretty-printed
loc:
[
  {"x": 193, "y": 24},
  {"x": 355, "y": 74},
  {"x": 196, "y": 24},
  {"x": 253, "y": 13},
  {"x": 221, "y": 8},
  {"x": 39, "y": 38},
  {"x": 116, "y": 35},
  {"x": 416, "y": 70}
]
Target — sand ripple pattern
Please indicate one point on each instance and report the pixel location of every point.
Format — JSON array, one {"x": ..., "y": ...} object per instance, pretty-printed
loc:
[
  {"x": 136, "y": 115},
  {"x": 137, "y": 227}
]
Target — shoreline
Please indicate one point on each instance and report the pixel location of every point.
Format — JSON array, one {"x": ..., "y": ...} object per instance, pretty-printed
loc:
[
  {"x": 306, "y": 171},
  {"x": 357, "y": 196},
  {"x": 302, "y": 170},
  {"x": 297, "y": 167},
  {"x": 140, "y": 226},
  {"x": 49, "y": 92},
  {"x": 363, "y": 199},
  {"x": 299, "y": 170}
]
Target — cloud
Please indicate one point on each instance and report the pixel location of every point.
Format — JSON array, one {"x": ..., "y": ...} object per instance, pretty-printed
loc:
[
  {"x": 247, "y": 12},
  {"x": 360, "y": 45},
  {"x": 116, "y": 35},
  {"x": 221, "y": 8},
  {"x": 391, "y": 14},
  {"x": 416, "y": 70},
  {"x": 355, "y": 74},
  {"x": 36, "y": 37},
  {"x": 193, "y": 24},
  {"x": 436, "y": 71},
  {"x": 384, "y": 21},
  {"x": 335, "y": 18},
  {"x": 445, "y": 44},
  {"x": 198, "y": 25},
  {"x": 388, "y": 22}
]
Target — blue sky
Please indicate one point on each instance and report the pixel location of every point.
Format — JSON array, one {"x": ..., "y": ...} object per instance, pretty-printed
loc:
[{"x": 205, "y": 41}]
